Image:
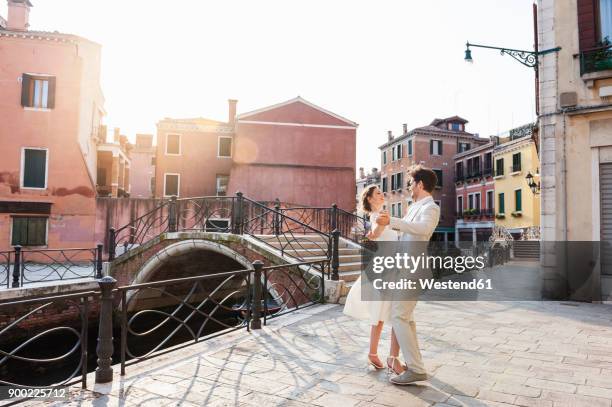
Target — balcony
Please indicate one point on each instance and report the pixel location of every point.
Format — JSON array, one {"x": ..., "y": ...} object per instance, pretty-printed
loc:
[
  {"x": 475, "y": 214},
  {"x": 460, "y": 177},
  {"x": 596, "y": 59}
]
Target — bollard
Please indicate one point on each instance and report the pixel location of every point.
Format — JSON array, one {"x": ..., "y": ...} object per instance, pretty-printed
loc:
[
  {"x": 99, "y": 261},
  {"x": 335, "y": 259},
  {"x": 256, "y": 303},
  {"x": 104, "y": 350},
  {"x": 17, "y": 266}
]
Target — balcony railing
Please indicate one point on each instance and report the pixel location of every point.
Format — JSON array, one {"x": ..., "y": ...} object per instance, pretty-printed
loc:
[
  {"x": 487, "y": 172},
  {"x": 459, "y": 177},
  {"x": 475, "y": 214},
  {"x": 596, "y": 59}
]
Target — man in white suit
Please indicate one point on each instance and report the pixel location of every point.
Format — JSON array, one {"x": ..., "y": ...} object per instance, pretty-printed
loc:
[{"x": 418, "y": 225}]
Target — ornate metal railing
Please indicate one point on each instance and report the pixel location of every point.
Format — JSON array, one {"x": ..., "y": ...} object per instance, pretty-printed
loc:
[
  {"x": 531, "y": 233},
  {"x": 292, "y": 287},
  {"x": 21, "y": 267},
  {"x": 180, "y": 312},
  {"x": 596, "y": 59},
  {"x": 24, "y": 346}
]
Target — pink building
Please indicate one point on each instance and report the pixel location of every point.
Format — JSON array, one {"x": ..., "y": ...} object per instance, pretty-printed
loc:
[
  {"x": 295, "y": 151},
  {"x": 142, "y": 174},
  {"x": 50, "y": 109},
  {"x": 475, "y": 191}
]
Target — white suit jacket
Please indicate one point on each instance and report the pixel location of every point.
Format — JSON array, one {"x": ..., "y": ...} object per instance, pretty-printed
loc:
[{"x": 420, "y": 221}]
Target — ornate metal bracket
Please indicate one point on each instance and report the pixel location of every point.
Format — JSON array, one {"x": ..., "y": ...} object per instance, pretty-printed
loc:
[{"x": 527, "y": 58}]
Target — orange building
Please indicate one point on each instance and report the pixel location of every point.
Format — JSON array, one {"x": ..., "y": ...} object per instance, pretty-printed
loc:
[{"x": 50, "y": 109}]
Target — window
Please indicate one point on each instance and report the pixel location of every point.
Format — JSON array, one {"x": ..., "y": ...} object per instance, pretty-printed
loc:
[
  {"x": 502, "y": 206},
  {"x": 470, "y": 201},
  {"x": 393, "y": 154},
  {"x": 172, "y": 184},
  {"x": 518, "y": 201},
  {"x": 516, "y": 162},
  {"x": 38, "y": 91},
  {"x": 393, "y": 210},
  {"x": 489, "y": 199},
  {"x": 409, "y": 147},
  {"x": 384, "y": 157},
  {"x": 34, "y": 166},
  {"x": 488, "y": 163},
  {"x": 435, "y": 147},
  {"x": 463, "y": 147},
  {"x": 153, "y": 160},
  {"x": 455, "y": 126},
  {"x": 459, "y": 170},
  {"x": 152, "y": 186},
  {"x": 459, "y": 204},
  {"x": 499, "y": 167},
  {"x": 222, "y": 181},
  {"x": 384, "y": 184},
  {"x": 101, "y": 177},
  {"x": 173, "y": 144},
  {"x": 399, "y": 210},
  {"x": 400, "y": 151},
  {"x": 29, "y": 231},
  {"x": 225, "y": 147},
  {"x": 439, "y": 177},
  {"x": 477, "y": 201}
]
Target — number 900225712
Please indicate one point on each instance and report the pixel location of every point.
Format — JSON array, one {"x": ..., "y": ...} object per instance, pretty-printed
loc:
[{"x": 40, "y": 393}]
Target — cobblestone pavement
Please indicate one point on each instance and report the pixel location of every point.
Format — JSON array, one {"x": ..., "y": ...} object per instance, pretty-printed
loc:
[{"x": 480, "y": 354}]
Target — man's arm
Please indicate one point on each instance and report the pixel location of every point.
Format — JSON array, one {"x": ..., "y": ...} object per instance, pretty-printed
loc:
[{"x": 427, "y": 222}]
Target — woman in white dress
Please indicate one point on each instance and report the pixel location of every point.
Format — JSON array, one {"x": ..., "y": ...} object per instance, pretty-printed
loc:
[{"x": 377, "y": 313}]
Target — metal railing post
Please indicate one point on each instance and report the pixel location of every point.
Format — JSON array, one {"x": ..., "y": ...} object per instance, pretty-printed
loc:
[
  {"x": 240, "y": 213},
  {"x": 277, "y": 217},
  {"x": 104, "y": 350},
  {"x": 172, "y": 214},
  {"x": 334, "y": 217},
  {"x": 99, "y": 261},
  {"x": 17, "y": 266},
  {"x": 256, "y": 303},
  {"x": 112, "y": 237},
  {"x": 335, "y": 259}
]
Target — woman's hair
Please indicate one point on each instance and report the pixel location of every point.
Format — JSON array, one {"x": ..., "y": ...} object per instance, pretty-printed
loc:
[{"x": 367, "y": 192}]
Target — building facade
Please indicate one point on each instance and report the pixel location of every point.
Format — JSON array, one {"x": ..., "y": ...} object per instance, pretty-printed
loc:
[
  {"x": 372, "y": 178},
  {"x": 51, "y": 106},
  {"x": 114, "y": 165},
  {"x": 475, "y": 193},
  {"x": 518, "y": 207},
  {"x": 142, "y": 174},
  {"x": 575, "y": 123},
  {"x": 434, "y": 146}
]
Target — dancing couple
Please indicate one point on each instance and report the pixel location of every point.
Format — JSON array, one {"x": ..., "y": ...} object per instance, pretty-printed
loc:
[{"x": 417, "y": 226}]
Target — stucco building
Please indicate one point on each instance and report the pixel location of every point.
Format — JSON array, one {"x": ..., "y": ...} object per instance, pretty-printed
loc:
[
  {"x": 475, "y": 193},
  {"x": 575, "y": 123},
  {"x": 113, "y": 166},
  {"x": 51, "y": 106},
  {"x": 434, "y": 146},
  {"x": 295, "y": 151},
  {"x": 142, "y": 171}
]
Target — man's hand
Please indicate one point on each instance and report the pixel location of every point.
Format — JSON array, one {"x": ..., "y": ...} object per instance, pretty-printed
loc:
[{"x": 383, "y": 219}]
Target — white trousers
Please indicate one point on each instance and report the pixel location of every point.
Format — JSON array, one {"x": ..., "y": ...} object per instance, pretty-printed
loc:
[{"x": 405, "y": 331}]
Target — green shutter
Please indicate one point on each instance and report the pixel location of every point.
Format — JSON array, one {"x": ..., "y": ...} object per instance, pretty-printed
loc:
[
  {"x": 518, "y": 198},
  {"x": 34, "y": 168},
  {"x": 29, "y": 231},
  {"x": 502, "y": 206}
]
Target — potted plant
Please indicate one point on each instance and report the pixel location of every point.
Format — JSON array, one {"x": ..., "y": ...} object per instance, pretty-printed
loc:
[
  {"x": 602, "y": 58},
  {"x": 517, "y": 214},
  {"x": 500, "y": 216}
]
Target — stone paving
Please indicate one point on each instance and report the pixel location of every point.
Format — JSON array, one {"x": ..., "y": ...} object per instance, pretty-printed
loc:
[{"x": 546, "y": 354}]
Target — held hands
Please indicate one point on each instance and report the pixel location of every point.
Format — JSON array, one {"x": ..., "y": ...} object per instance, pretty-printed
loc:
[{"x": 383, "y": 219}]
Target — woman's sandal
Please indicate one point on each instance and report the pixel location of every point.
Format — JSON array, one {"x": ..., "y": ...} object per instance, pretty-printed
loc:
[
  {"x": 391, "y": 365},
  {"x": 374, "y": 365}
]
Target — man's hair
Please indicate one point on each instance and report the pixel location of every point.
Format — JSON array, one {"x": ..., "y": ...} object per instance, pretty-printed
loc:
[{"x": 426, "y": 175}]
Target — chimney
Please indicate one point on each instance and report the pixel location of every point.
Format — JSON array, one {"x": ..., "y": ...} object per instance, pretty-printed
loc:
[
  {"x": 116, "y": 135},
  {"x": 361, "y": 173},
  {"x": 18, "y": 15},
  {"x": 405, "y": 126},
  {"x": 390, "y": 135},
  {"x": 374, "y": 170},
  {"x": 231, "y": 111}
]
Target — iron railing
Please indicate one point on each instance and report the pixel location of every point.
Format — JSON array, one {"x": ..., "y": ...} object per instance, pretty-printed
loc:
[
  {"x": 23, "y": 345},
  {"x": 596, "y": 59},
  {"x": 21, "y": 267}
]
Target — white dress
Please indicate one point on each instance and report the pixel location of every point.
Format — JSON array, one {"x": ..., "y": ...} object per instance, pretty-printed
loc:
[{"x": 372, "y": 311}]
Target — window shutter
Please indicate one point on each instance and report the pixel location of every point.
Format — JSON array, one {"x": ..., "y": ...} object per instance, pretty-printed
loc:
[
  {"x": 431, "y": 143},
  {"x": 587, "y": 23},
  {"x": 25, "y": 90},
  {"x": 440, "y": 147},
  {"x": 502, "y": 207},
  {"x": 51, "y": 94},
  {"x": 519, "y": 200}
]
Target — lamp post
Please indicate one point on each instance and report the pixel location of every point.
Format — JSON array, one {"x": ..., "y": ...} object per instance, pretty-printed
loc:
[
  {"x": 535, "y": 187},
  {"x": 527, "y": 58}
]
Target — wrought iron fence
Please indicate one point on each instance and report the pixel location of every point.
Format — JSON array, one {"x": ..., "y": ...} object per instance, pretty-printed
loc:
[
  {"x": 596, "y": 59},
  {"x": 5, "y": 268},
  {"x": 292, "y": 287},
  {"x": 180, "y": 312},
  {"x": 24, "y": 341}
]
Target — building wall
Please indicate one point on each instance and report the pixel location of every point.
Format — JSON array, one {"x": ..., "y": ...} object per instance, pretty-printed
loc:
[
  {"x": 70, "y": 187},
  {"x": 510, "y": 182}
]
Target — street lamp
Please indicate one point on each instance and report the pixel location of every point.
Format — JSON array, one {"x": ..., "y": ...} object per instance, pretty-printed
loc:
[
  {"x": 535, "y": 187},
  {"x": 527, "y": 58}
]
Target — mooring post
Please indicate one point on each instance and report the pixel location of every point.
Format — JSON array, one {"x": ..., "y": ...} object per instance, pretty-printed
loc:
[
  {"x": 335, "y": 259},
  {"x": 17, "y": 266},
  {"x": 99, "y": 261},
  {"x": 257, "y": 289},
  {"x": 104, "y": 350}
]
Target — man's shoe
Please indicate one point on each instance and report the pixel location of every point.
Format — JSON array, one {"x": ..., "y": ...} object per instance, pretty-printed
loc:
[{"x": 408, "y": 377}]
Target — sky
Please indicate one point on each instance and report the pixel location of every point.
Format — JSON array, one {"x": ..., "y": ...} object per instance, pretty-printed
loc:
[{"x": 380, "y": 64}]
